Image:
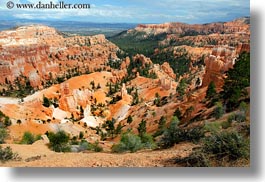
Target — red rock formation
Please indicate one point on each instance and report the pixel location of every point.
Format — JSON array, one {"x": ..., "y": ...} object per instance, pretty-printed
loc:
[
  {"x": 168, "y": 70},
  {"x": 41, "y": 54},
  {"x": 221, "y": 59},
  {"x": 236, "y": 26}
]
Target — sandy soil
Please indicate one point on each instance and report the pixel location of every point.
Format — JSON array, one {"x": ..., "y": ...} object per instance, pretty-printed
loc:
[{"x": 38, "y": 155}]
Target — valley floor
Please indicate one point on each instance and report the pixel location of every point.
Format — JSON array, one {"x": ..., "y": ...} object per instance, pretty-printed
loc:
[{"x": 38, "y": 155}]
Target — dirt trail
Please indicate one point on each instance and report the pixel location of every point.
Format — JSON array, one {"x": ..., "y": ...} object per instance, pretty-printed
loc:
[{"x": 38, "y": 155}]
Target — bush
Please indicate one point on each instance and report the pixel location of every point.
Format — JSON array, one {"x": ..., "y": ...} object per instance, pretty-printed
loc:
[
  {"x": 192, "y": 135},
  {"x": 170, "y": 135},
  {"x": 148, "y": 141},
  {"x": 243, "y": 107},
  {"x": 28, "y": 138},
  {"x": 129, "y": 142},
  {"x": 95, "y": 147},
  {"x": 46, "y": 102},
  {"x": 7, "y": 154},
  {"x": 211, "y": 91},
  {"x": 173, "y": 134},
  {"x": 231, "y": 118},
  {"x": 212, "y": 127},
  {"x": 81, "y": 135},
  {"x": 161, "y": 126},
  {"x": 59, "y": 141},
  {"x": 219, "y": 110},
  {"x": 196, "y": 159},
  {"x": 84, "y": 145},
  {"x": 240, "y": 116},
  {"x": 142, "y": 128},
  {"x": 3, "y": 135},
  {"x": 4, "y": 120},
  {"x": 230, "y": 144}
]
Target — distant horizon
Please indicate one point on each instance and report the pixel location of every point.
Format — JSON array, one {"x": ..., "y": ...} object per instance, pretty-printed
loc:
[
  {"x": 35, "y": 21},
  {"x": 135, "y": 12}
]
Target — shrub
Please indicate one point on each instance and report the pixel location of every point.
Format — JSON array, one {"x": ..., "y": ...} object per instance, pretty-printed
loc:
[
  {"x": 161, "y": 126},
  {"x": 219, "y": 110},
  {"x": 19, "y": 122},
  {"x": 240, "y": 116},
  {"x": 46, "y": 102},
  {"x": 192, "y": 135},
  {"x": 243, "y": 107},
  {"x": 7, "y": 154},
  {"x": 230, "y": 144},
  {"x": 170, "y": 135},
  {"x": 59, "y": 141},
  {"x": 142, "y": 128},
  {"x": 173, "y": 134},
  {"x": 74, "y": 141},
  {"x": 148, "y": 141},
  {"x": 212, "y": 127},
  {"x": 4, "y": 120},
  {"x": 231, "y": 118},
  {"x": 211, "y": 91},
  {"x": 81, "y": 135},
  {"x": 129, "y": 142},
  {"x": 3, "y": 135},
  {"x": 28, "y": 138},
  {"x": 7, "y": 122},
  {"x": 178, "y": 113},
  {"x": 83, "y": 145},
  {"x": 129, "y": 119},
  {"x": 95, "y": 147},
  {"x": 196, "y": 159},
  {"x": 225, "y": 125}
]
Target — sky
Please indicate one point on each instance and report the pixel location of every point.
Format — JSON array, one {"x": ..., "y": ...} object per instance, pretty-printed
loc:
[{"x": 135, "y": 11}]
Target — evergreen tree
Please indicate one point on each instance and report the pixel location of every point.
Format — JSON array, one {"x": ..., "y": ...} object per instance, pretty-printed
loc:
[
  {"x": 142, "y": 128},
  {"x": 181, "y": 88},
  {"x": 129, "y": 119},
  {"x": 237, "y": 79},
  {"x": 211, "y": 91}
]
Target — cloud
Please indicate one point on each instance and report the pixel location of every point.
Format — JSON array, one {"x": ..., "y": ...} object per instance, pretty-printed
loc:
[{"x": 138, "y": 11}]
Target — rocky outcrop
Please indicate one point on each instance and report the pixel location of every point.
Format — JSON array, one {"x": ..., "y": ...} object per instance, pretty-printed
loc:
[
  {"x": 221, "y": 59},
  {"x": 168, "y": 70},
  {"x": 41, "y": 54},
  {"x": 236, "y": 26}
]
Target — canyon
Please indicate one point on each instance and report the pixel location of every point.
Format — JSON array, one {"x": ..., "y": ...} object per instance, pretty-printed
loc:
[{"x": 51, "y": 81}]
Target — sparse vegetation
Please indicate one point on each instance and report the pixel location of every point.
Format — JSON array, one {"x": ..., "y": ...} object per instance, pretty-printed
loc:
[
  {"x": 29, "y": 138},
  {"x": 59, "y": 141},
  {"x": 195, "y": 159},
  {"x": 3, "y": 135},
  {"x": 219, "y": 110},
  {"x": 129, "y": 142},
  {"x": 174, "y": 134},
  {"x": 4, "y": 120},
  {"x": 95, "y": 147},
  {"x": 226, "y": 144},
  {"x": 7, "y": 154}
]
